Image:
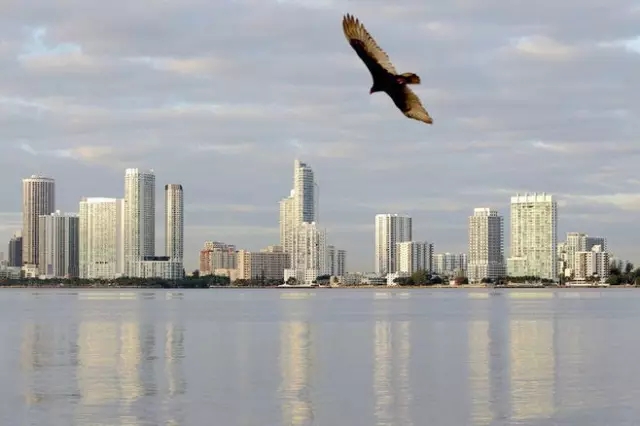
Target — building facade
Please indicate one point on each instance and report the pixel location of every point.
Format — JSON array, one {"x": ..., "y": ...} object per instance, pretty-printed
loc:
[
  {"x": 101, "y": 238},
  {"x": 534, "y": 230},
  {"x": 174, "y": 222},
  {"x": 140, "y": 217},
  {"x": 38, "y": 198},
  {"x": 162, "y": 267},
  {"x": 450, "y": 264},
  {"x": 414, "y": 256},
  {"x": 390, "y": 229},
  {"x": 486, "y": 245},
  {"x": 309, "y": 259},
  {"x": 58, "y": 245},
  {"x": 269, "y": 264},
  {"x": 591, "y": 264},
  {"x": 15, "y": 251}
]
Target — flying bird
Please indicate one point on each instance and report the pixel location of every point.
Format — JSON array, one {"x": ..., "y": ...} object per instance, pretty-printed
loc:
[{"x": 385, "y": 77}]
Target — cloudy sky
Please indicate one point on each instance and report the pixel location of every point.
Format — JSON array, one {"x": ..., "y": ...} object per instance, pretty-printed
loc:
[{"x": 222, "y": 96}]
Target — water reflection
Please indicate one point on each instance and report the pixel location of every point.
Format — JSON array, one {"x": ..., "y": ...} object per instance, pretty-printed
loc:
[
  {"x": 295, "y": 354},
  {"x": 474, "y": 360},
  {"x": 391, "y": 385},
  {"x": 479, "y": 373},
  {"x": 532, "y": 369}
]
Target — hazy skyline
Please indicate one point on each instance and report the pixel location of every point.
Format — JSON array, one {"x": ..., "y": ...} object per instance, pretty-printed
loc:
[{"x": 221, "y": 97}]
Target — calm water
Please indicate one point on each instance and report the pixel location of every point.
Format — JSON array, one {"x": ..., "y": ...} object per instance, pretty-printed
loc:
[{"x": 323, "y": 357}]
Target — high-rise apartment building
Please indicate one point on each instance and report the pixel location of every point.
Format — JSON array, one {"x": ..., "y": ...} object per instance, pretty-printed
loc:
[
  {"x": 217, "y": 255},
  {"x": 139, "y": 217},
  {"x": 341, "y": 263},
  {"x": 287, "y": 222},
  {"x": 269, "y": 264},
  {"x": 174, "y": 222},
  {"x": 331, "y": 259},
  {"x": 336, "y": 261},
  {"x": 58, "y": 245},
  {"x": 576, "y": 242},
  {"x": 534, "y": 230},
  {"x": 486, "y": 245},
  {"x": 450, "y": 264},
  {"x": 591, "y": 264},
  {"x": 304, "y": 193},
  {"x": 15, "y": 250},
  {"x": 309, "y": 253},
  {"x": 38, "y": 198},
  {"x": 101, "y": 238},
  {"x": 300, "y": 207},
  {"x": 414, "y": 256},
  {"x": 391, "y": 229}
]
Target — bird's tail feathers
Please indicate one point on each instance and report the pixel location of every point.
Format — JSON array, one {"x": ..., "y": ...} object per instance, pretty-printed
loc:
[{"x": 411, "y": 78}]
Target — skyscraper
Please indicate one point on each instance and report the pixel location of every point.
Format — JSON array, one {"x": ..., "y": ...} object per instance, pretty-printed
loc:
[
  {"x": 341, "y": 263},
  {"x": 301, "y": 206},
  {"x": 287, "y": 222},
  {"x": 139, "y": 216},
  {"x": 414, "y": 256},
  {"x": 15, "y": 250},
  {"x": 391, "y": 229},
  {"x": 304, "y": 193},
  {"x": 577, "y": 242},
  {"x": 174, "y": 222},
  {"x": 331, "y": 259},
  {"x": 309, "y": 253},
  {"x": 58, "y": 243},
  {"x": 38, "y": 198},
  {"x": 534, "y": 231},
  {"x": 101, "y": 238},
  {"x": 486, "y": 245}
]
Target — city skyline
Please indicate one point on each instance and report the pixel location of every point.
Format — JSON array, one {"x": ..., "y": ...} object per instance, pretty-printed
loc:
[
  {"x": 191, "y": 260},
  {"x": 86, "y": 96}
]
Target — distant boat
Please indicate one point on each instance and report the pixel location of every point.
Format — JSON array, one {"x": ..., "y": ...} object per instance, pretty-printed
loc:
[{"x": 298, "y": 285}]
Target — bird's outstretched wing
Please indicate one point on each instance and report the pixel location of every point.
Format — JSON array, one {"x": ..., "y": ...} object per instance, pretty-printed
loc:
[
  {"x": 366, "y": 47},
  {"x": 409, "y": 103}
]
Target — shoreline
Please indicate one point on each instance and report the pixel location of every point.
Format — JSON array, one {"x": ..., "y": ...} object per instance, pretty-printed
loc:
[{"x": 355, "y": 287}]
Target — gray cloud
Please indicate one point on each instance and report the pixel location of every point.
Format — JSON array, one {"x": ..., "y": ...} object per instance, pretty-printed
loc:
[{"x": 222, "y": 96}]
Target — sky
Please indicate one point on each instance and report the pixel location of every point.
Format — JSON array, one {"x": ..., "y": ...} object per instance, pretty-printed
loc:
[{"x": 222, "y": 96}]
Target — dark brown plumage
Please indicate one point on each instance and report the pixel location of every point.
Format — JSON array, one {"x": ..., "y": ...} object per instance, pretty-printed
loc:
[{"x": 385, "y": 77}]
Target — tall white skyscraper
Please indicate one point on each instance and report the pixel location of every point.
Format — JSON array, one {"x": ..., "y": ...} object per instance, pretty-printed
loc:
[
  {"x": 414, "y": 256},
  {"x": 304, "y": 193},
  {"x": 391, "y": 229},
  {"x": 301, "y": 206},
  {"x": 287, "y": 222},
  {"x": 534, "y": 231},
  {"x": 486, "y": 245},
  {"x": 38, "y": 198},
  {"x": 174, "y": 222},
  {"x": 58, "y": 245},
  {"x": 139, "y": 216},
  {"x": 102, "y": 238}
]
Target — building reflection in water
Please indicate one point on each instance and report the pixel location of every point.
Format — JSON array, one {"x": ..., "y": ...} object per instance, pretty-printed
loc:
[
  {"x": 391, "y": 384},
  {"x": 532, "y": 369},
  {"x": 295, "y": 359},
  {"x": 174, "y": 373},
  {"x": 479, "y": 372},
  {"x": 43, "y": 348}
]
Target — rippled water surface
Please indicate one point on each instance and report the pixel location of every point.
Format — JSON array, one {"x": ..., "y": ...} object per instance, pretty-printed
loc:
[{"x": 322, "y": 357}]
